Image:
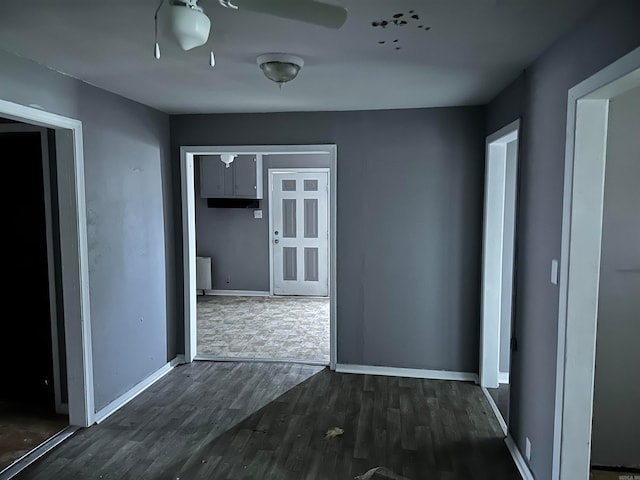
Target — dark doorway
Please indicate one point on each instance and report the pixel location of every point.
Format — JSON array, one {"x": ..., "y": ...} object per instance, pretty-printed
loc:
[{"x": 27, "y": 395}]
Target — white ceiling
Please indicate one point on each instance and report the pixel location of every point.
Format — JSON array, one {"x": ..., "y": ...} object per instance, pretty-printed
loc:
[{"x": 473, "y": 49}]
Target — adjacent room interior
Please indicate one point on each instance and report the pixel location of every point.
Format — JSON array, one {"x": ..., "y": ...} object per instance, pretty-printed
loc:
[
  {"x": 263, "y": 249},
  {"x": 191, "y": 302}
]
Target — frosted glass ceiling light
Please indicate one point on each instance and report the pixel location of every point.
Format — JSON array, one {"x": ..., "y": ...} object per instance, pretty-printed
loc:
[
  {"x": 189, "y": 24},
  {"x": 280, "y": 67}
]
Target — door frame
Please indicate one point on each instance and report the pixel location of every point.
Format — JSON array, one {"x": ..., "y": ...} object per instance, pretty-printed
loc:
[
  {"x": 60, "y": 407},
  {"x": 270, "y": 173},
  {"x": 491, "y": 318},
  {"x": 187, "y": 184},
  {"x": 74, "y": 253},
  {"x": 583, "y": 202}
]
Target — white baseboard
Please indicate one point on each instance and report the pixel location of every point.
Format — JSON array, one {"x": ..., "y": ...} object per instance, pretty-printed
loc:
[
  {"x": 126, "y": 397},
  {"x": 503, "y": 377},
  {"x": 216, "y": 358},
  {"x": 496, "y": 410},
  {"x": 518, "y": 459},
  {"x": 407, "y": 372},
  {"x": 238, "y": 293}
]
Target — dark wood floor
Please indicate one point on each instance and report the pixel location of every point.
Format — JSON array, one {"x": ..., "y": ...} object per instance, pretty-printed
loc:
[{"x": 267, "y": 421}]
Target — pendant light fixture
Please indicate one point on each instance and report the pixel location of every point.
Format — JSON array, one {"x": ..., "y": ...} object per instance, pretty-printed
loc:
[{"x": 227, "y": 158}]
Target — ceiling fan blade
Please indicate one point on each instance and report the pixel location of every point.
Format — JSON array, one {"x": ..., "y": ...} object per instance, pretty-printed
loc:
[{"x": 308, "y": 11}]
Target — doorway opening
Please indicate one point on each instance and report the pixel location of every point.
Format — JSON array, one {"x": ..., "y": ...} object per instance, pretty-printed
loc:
[
  {"x": 33, "y": 396},
  {"x": 501, "y": 182},
  {"x": 51, "y": 386},
  {"x": 615, "y": 432},
  {"x": 265, "y": 296},
  {"x": 587, "y": 273}
]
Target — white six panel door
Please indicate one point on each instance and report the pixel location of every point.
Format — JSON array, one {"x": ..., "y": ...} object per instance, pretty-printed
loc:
[{"x": 300, "y": 232}]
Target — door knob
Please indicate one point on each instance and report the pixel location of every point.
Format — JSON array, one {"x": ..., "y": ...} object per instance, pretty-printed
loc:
[
  {"x": 276, "y": 232},
  {"x": 276, "y": 241}
]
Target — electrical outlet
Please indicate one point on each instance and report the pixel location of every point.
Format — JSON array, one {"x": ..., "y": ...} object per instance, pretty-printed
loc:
[
  {"x": 527, "y": 448},
  {"x": 257, "y": 214}
]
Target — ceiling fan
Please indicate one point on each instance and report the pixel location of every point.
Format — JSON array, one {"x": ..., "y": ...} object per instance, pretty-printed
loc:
[{"x": 191, "y": 26}]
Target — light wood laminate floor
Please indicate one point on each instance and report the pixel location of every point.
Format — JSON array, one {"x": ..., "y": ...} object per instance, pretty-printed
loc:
[{"x": 264, "y": 327}]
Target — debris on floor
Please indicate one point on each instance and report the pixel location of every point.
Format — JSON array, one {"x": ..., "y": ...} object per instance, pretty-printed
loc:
[
  {"x": 380, "y": 473},
  {"x": 334, "y": 432}
]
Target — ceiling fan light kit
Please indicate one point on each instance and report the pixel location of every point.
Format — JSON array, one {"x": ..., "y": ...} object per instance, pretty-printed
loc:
[
  {"x": 191, "y": 27},
  {"x": 280, "y": 67}
]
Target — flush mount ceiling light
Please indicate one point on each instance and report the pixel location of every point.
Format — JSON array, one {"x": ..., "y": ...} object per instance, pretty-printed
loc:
[{"x": 280, "y": 67}]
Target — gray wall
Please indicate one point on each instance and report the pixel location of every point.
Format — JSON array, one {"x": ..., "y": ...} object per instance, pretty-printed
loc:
[
  {"x": 238, "y": 243},
  {"x": 616, "y": 418},
  {"x": 410, "y": 193},
  {"x": 539, "y": 96},
  {"x": 129, "y": 221}
]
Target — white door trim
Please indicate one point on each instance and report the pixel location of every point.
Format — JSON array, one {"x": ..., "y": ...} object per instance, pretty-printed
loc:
[
  {"x": 270, "y": 173},
  {"x": 187, "y": 154},
  {"x": 491, "y": 308},
  {"x": 53, "y": 314},
  {"x": 583, "y": 201},
  {"x": 74, "y": 253}
]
